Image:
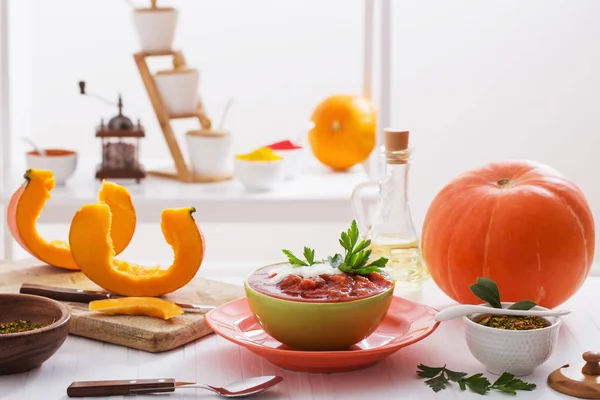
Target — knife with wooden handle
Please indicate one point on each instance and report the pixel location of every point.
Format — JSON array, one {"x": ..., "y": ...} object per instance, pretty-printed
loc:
[
  {"x": 120, "y": 387},
  {"x": 85, "y": 296}
]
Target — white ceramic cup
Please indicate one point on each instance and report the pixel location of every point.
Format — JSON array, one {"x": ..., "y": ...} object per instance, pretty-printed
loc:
[
  {"x": 155, "y": 28},
  {"x": 61, "y": 162},
  {"x": 211, "y": 152},
  {"x": 178, "y": 89}
]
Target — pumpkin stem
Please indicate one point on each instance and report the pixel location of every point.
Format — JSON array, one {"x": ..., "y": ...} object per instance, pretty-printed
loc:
[
  {"x": 336, "y": 125},
  {"x": 504, "y": 183}
]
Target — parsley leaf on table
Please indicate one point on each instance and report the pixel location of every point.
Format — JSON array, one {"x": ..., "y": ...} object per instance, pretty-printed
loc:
[
  {"x": 477, "y": 383},
  {"x": 429, "y": 372},
  {"x": 507, "y": 383},
  {"x": 438, "y": 383},
  {"x": 438, "y": 378}
]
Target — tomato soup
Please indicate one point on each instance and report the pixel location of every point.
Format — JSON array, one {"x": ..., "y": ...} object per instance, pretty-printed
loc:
[{"x": 316, "y": 283}]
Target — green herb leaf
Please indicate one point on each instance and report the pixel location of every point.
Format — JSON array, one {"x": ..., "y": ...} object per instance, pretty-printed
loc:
[
  {"x": 438, "y": 383},
  {"x": 505, "y": 378},
  {"x": 354, "y": 261},
  {"x": 477, "y": 383},
  {"x": 507, "y": 383},
  {"x": 336, "y": 260},
  {"x": 356, "y": 255},
  {"x": 309, "y": 254},
  {"x": 295, "y": 261},
  {"x": 490, "y": 284},
  {"x": 439, "y": 377},
  {"x": 455, "y": 376},
  {"x": 523, "y": 305},
  {"x": 486, "y": 294},
  {"x": 429, "y": 372}
]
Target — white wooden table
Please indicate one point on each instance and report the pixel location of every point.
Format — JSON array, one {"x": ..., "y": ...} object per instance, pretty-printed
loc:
[{"x": 216, "y": 361}]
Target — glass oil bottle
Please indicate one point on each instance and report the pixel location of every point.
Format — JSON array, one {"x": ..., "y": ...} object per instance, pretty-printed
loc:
[{"x": 390, "y": 228}]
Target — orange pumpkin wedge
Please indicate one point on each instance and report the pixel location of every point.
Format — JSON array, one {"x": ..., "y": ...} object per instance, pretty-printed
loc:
[
  {"x": 148, "y": 306},
  {"x": 92, "y": 249},
  {"x": 27, "y": 203}
]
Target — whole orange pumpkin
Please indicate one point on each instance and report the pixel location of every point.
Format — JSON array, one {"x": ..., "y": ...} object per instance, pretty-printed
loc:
[
  {"x": 344, "y": 131},
  {"x": 521, "y": 224}
]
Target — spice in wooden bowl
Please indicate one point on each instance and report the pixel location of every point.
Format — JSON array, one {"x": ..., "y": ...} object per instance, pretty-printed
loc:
[
  {"x": 19, "y": 326},
  {"x": 513, "y": 323}
]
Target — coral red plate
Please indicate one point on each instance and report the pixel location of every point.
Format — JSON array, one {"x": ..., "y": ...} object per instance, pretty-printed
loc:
[{"x": 406, "y": 322}]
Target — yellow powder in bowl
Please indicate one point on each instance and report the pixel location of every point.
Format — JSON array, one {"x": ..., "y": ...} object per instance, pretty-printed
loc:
[{"x": 262, "y": 154}]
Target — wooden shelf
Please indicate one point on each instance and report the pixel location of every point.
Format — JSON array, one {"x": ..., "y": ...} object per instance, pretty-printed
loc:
[
  {"x": 182, "y": 172},
  {"x": 159, "y": 53},
  {"x": 181, "y": 116},
  {"x": 193, "y": 178}
]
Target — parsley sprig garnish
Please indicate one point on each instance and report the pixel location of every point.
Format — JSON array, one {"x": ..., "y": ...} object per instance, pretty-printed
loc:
[
  {"x": 356, "y": 255},
  {"x": 438, "y": 379},
  {"x": 354, "y": 261},
  {"x": 309, "y": 254}
]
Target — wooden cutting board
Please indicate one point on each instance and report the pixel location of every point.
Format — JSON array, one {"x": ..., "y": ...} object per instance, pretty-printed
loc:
[{"x": 138, "y": 332}]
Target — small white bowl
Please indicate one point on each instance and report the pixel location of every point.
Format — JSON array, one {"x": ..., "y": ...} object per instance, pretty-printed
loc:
[
  {"x": 259, "y": 175},
  {"x": 61, "y": 162},
  {"x": 293, "y": 160},
  {"x": 516, "y": 352}
]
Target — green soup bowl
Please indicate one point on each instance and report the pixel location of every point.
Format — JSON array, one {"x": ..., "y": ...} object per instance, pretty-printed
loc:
[{"x": 318, "y": 326}]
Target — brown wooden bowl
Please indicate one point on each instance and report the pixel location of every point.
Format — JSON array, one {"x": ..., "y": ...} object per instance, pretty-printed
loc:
[{"x": 23, "y": 351}]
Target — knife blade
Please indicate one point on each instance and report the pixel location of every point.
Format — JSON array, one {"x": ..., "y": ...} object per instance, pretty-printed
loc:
[{"x": 85, "y": 296}]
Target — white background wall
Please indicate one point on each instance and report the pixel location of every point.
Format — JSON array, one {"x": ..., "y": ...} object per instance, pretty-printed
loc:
[{"x": 474, "y": 81}]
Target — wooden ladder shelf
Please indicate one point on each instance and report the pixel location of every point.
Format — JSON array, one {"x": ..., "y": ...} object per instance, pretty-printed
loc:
[{"x": 182, "y": 171}]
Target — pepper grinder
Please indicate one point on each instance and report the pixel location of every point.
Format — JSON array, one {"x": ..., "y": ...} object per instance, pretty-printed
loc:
[{"x": 582, "y": 382}]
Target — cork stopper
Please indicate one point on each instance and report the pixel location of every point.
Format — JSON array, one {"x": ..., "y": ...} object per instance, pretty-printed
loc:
[{"x": 395, "y": 140}]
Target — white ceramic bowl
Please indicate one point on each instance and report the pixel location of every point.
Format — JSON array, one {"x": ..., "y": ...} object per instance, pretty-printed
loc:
[
  {"x": 516, "y": 352},
  {"x": 61, "y": 162},
  {"x": 293, "y": 161},
  {"x": 259, "y": 175}
]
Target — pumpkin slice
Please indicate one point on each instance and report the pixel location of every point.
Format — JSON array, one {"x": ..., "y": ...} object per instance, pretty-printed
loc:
[
  {"x": 148, "y": 306},
  {"x": 92, "y": 249},
  {"x": 26, "y": 205}
]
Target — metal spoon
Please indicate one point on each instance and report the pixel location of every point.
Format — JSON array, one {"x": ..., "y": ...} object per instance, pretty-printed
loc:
[
  {"x": 243, "y": 388},
  {"x": 36, "y": 148},
  {"x": 467, "y": 309}
]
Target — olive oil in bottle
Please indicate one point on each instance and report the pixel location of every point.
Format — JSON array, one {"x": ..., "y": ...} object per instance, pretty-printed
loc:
[{"x": 391, "y": 229}]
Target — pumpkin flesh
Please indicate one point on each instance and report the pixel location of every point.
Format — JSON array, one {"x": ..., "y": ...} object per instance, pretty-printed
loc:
[
  {"x": 148, "y": 306},
  {"x": 92, "y": 249},
  {"x": 27, "y": 203},
  {"x": 521, "y": 224}
]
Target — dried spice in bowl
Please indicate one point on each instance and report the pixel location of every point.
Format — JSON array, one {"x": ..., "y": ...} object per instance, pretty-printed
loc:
[
  {"x": 512, "y": 322},
  {"x": 19, "y": 326}
]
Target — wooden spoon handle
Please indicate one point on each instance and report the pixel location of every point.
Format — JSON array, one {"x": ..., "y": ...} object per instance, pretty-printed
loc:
[{"x": 120, "y": 387}]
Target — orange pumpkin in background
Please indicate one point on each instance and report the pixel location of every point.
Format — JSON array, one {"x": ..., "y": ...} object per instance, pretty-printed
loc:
[
  {"x": 519, "y": 223},
  {"x": 344, "y": 131}
]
